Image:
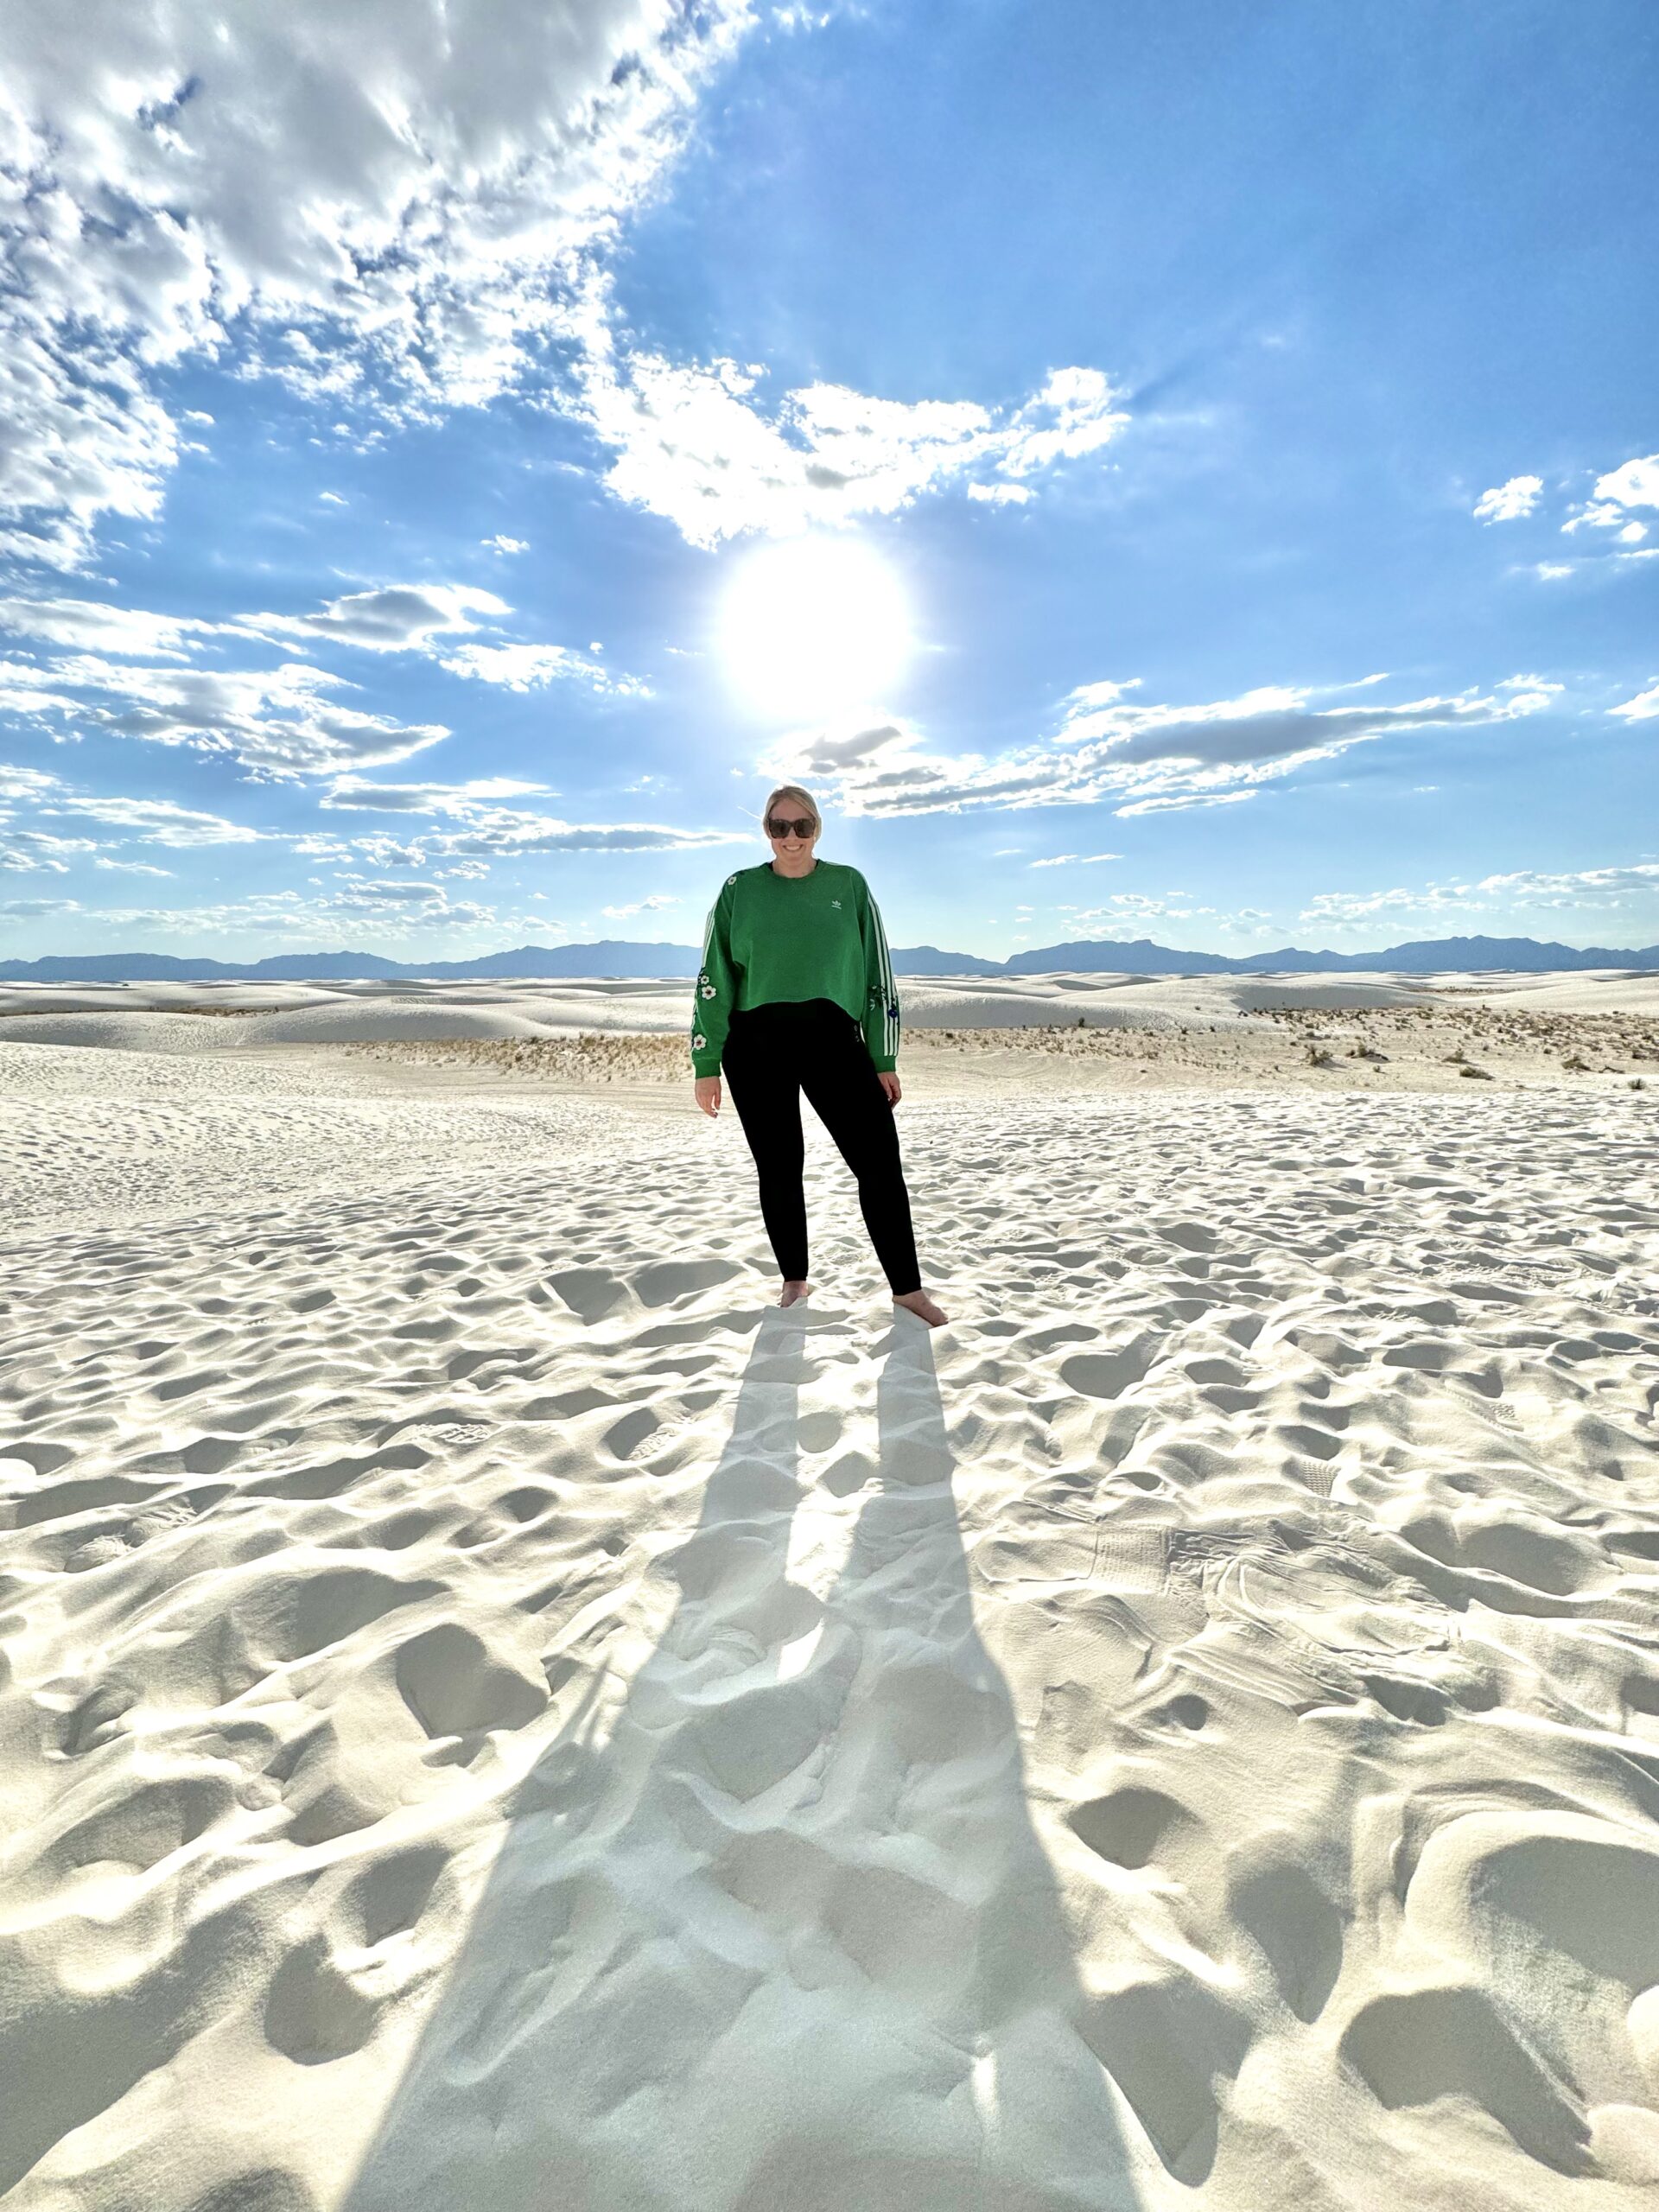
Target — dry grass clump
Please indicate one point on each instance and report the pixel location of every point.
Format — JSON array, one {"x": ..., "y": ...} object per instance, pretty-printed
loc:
[
  {"x": 586, "y": 1057},
  {"x": 1425, "y": 1047}
]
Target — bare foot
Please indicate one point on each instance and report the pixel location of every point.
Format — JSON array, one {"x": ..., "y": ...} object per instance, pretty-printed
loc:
[
  {"x": 794, "y": 1290},
  {"x": 918, "y": 1301}
]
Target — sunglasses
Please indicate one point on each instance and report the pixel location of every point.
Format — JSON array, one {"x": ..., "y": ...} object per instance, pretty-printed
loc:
[{"x": 803, "y": 828}]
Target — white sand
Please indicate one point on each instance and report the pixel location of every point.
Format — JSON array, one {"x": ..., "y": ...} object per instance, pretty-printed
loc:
[
  {"x": 498, "y": 1719},
  {"x": 555, "y": 1007}
]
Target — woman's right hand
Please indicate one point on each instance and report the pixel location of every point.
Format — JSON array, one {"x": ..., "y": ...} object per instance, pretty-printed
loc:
[{"x": 708, "y": 1094}]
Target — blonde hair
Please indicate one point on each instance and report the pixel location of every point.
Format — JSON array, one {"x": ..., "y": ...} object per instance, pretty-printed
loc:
[{"x": 804, "y": 799}]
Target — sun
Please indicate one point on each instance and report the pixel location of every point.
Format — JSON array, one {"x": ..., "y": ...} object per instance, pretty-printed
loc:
[{"x": 815, "y": 626}]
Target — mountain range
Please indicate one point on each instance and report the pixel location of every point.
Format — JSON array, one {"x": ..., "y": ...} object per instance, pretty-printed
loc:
[{"x": 619, "y": 958}]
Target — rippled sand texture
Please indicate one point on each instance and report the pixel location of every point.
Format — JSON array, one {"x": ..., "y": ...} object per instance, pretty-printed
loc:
[{"x": 498, "y": 1719}]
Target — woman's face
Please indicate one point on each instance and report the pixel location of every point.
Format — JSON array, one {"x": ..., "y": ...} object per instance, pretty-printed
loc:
[{"x": 790, "y": 815}]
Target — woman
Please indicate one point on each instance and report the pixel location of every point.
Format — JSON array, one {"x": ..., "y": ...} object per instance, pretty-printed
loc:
[{"x": 797, "y": 994}]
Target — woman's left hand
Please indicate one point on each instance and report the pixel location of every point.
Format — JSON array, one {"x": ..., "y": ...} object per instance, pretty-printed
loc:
[{"x": 888, "y": 1079}]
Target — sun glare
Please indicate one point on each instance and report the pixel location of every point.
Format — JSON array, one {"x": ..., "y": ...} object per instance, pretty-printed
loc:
[{"x": 815, "y": 626}]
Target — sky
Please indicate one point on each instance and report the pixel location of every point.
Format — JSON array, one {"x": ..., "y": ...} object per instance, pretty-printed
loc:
[{"x": 1150, "y": 467}]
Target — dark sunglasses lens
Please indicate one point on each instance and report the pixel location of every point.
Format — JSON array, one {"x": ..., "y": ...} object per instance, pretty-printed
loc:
[{"x": 775, "y": 829}]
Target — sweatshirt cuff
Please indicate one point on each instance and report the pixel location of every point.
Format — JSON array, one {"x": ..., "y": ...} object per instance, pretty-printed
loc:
[
  {"x": 883, "y": 1066},
  {"x": 701, "y": 1065}
]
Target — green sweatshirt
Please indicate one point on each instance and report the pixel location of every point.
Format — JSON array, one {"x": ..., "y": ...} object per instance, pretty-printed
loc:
[{"x": 771, "y": 937}]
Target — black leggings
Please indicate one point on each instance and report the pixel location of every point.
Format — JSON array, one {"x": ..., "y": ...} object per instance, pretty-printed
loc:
[{"x": 772, "y": 1055}]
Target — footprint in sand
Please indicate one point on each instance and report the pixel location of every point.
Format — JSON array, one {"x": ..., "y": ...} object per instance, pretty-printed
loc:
[
  {"x": 456, "y": 1686},
  {"x": 591, "y": 1293},
  {"x": 1297, "y": 1930},
  {"x": 1164, "y": 2043},
  {"x": 313, "y": 2012},
  {"x": 1419, "y": 2048},
  {"x": 672, "y": 1279},
  {"x": 1131, "y": 1828},
  {"x": 1106, "y": 1373}
]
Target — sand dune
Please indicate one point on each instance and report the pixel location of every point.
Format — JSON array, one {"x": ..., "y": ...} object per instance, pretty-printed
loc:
[
  {"x": 931, "y": 1002},
  {"x": 1044, "y": 1033},
  {"x": 163, "y": 1031},
  {"x": 496, "y": 1716},
  {"x": 100, "y": 1141}
]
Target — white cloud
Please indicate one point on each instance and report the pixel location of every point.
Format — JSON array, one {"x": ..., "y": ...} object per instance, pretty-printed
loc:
[
  {"x": 1073, "y": 415},
  {"x": 376, "y": 913},
  {"x": 1521, "y": 891},
  {"x": 289, "y": 721},
  {"x": 1138, "y": 907},
  {"x": 396, "y": 619},
  {"x": 1530, "y": 693},
  {"x": 1598, "y": 514},
  {"x": 283, "y": 721},
  {"x": 1509, "y": 502},
  {"x": 522, "y": 667},
  {"x": 157, "y": 820},
  {"x": 501, "y": 543},
  {"x": 28, "y": 783},
  {"x": 639, "y": 907},
  {"x": 1076, "y": 859},
  {"x": 425, "y": 798},
  {"x": 51, "y": 799},
  {"x": 487, "y": 831},
  {"x": 366, "y": 891},
  {"x": 1341, "y": 907},
  {"x": 101, "y": 628},
  {"x": 357, "y": 197},
  {"x": 377, "y": 850},
  {"x": 312, "y": 848},
  {"x": 25, "y": 691},
  {"x": 408, "y": 207},
  {"x": 1635, "y": 485},
  {"x": 31, "y": 909},
  {"x": 508, "y": 835},
  {"x": 1000, "y": 495},
  {"x": 23, "y": 851},
  {"x": 1179, "y": 802},
  {"x": 1641, "y": 708},
  {"x": 1142, "y": 758},
  {"x": 1589, "y": 886},
  {"x": 695, "y": 446}
]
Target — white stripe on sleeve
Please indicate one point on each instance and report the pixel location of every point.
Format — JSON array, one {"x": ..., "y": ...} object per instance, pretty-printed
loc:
[{"x": 889, "y": 990}]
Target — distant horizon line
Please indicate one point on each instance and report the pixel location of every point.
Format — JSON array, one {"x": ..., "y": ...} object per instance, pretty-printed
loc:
[{"x": 17, "y": 969}]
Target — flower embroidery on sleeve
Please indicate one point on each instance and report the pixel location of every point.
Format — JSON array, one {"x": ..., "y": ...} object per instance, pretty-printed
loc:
[{"x": 698, "y": 1041}]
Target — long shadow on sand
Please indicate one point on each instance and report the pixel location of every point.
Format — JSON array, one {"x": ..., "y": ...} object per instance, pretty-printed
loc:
[{"x": 785, "y": 1940}]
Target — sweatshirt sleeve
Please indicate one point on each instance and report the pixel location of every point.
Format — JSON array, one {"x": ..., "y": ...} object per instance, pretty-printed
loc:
[
  {"x": 714, "y": 997},
  {"x": 881, "y": 992}
]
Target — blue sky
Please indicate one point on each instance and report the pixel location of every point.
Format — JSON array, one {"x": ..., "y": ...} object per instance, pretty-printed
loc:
[{"x": 1248, "y": 412}]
